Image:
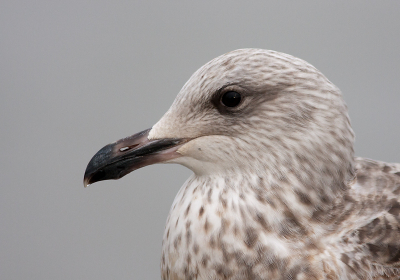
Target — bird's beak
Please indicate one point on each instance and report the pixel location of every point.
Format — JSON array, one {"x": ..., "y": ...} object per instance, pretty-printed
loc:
[{"x": 126, "y": 155}]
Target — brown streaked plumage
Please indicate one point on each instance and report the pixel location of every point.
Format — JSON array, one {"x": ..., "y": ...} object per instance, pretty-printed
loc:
[{"x": 276, "y": 191}]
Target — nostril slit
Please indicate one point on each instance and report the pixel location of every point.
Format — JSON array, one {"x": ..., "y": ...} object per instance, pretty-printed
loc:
[{"x": 124, "y": 149}]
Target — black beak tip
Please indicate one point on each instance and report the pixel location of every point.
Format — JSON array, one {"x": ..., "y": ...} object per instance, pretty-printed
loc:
[
  {"x": 94, "y": 172},
  {"x": 91, "y": 178}
]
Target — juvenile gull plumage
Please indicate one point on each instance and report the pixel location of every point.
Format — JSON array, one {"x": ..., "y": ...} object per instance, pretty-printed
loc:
[{"x": 276, "y": 191}]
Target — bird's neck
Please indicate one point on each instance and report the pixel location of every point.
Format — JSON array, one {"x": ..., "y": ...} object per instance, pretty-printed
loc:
[
  {"x": 287, "y": 205},
  {"x": 216, "y": 216}
]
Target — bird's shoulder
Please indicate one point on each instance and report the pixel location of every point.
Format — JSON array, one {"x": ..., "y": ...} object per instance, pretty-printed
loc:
[{"x": 371, "y": 247}]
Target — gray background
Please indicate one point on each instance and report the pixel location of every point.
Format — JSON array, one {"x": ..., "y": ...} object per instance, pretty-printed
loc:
[{"x": 76, "y": 75}]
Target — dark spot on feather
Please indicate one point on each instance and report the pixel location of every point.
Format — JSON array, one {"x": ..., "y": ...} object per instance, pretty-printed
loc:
[
  {"x": 394, "y": 252},
  {"x": 251, "y": 237},
  {"x": 187, "y": 209},
  {"x": 260, "y": 198},
  {"x": 177, "y": 241},
  {"x": 223, "y": 201},
  {"x": 362, "y": 179},
  {"x": 212, "y": 242},
  {"x": 375, "y": 222},
  {"x": 235, "y": 230},
  {"x": 188, "y": 237},
  {"x": 387, "y": 169},
  {"x": 374, "y": 249},
  {"x": 291, "y": 225},
  {"x": 201, "y": 211},
  {"x": 325, "y": 199},
  {"x": 345, "y": 259},
  {"x": 224, "y": 225},
  {"x": 195, "y": 248},
  {"x": 303, "y": 197},
  {"x": 362, "y": 234},
  {"x": 397, "y": 189},
  {"x": 365, "y": 263},
  {"x": 356, "y": 266},
  {"x": 223, "y": 271},
  {"x": 261, "y": 220},
  {"x": 204, "y": 260},
  {"x": 206, "y": 226},
  {"x": 394, "y": 208}
]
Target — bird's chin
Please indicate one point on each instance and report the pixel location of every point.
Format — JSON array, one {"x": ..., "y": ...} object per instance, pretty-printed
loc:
[
  {"x": 204, "y": 155},
  {"x": 199, "y": 168}
]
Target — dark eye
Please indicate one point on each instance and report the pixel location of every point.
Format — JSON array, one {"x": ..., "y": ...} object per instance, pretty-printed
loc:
[{"x": 231, "y": 98}]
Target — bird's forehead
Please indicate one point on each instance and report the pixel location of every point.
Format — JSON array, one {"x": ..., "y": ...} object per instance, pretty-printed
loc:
[
  {"x": 245, "y": 67},
  {"x": 230, "y": 67}
]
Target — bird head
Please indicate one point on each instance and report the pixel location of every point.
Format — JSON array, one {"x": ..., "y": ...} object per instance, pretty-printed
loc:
[{"x": 257, "y": 110}]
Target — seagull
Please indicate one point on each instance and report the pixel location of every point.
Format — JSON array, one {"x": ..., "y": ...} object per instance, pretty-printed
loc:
[{"x": 276, "y": 192}]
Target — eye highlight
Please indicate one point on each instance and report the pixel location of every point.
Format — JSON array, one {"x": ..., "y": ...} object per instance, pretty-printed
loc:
[{"x": 231, "y": 98}]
